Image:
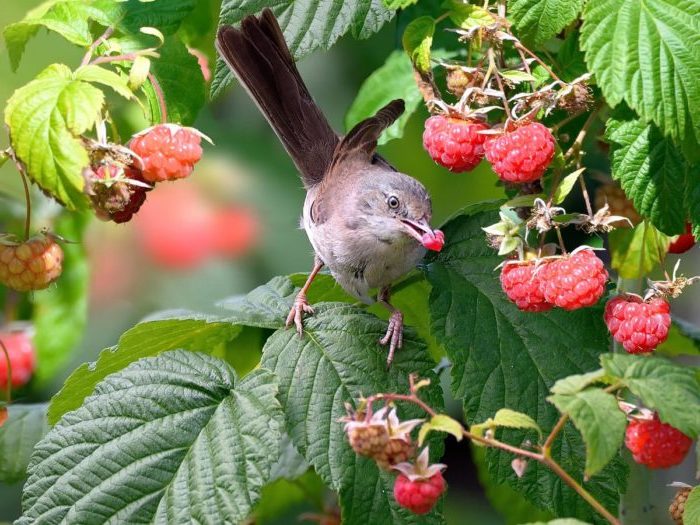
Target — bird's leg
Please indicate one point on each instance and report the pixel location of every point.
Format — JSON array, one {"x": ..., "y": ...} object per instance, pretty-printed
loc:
[
  {"x": 394, "y": 333},
  {"x": 301, "y": 304}
]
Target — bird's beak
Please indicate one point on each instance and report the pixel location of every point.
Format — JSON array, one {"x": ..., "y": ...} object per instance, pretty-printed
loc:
[{"x": 421, "y": 230}]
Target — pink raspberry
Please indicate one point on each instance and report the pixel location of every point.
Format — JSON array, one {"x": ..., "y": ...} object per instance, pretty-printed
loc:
[
  {"x": 521, "y": 283},
  {"x": 168, "y": 152},
  {"x": 454, "y": 143},
  {"x": 656, "y": 444},
  {"x": 574, "y": 281},
  {"x": 20, "y": 350},
  {"x": 522, "y": 155},
  {"x": 638, "y": 325},
  {"x": 419, "y": 495}
]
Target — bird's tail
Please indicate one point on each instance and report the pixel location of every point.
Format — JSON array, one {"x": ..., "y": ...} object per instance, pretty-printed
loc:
[{"x": 259, "y": 57}]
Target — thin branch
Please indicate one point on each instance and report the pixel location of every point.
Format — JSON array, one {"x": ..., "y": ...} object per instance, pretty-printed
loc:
[
  {"x": 27, "y": 196},
  {"x": 519, "y": 45},
  {"x": 160, "y": 96},
  {"x": 93, "y": 46},
  {"x": 126, "y": 57},
  {"x": 547, "y": 447},
  {"x": 492, "y": 65},
  {"x": 8, "y": 386}
]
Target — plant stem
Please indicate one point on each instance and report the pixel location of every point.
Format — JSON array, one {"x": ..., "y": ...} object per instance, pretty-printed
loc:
[
  {"x": 160, "y": 96},
  {"x": 128, "y": 57},
  {"x": 93, "y": 46},
  {"x": 492, "y": 66},
  {"x": 546, "y": 448},
  {"x": 27, "y": 197},
  {"x": 519, "y": 45},
  {"x": 8, "y": 387}
]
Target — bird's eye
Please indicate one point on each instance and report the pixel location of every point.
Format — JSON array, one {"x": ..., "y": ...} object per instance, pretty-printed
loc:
[{"x": 393, "y": 202}]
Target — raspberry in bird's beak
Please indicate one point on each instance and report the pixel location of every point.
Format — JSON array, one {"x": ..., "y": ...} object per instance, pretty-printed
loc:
[{"x": 433, "y": 240}]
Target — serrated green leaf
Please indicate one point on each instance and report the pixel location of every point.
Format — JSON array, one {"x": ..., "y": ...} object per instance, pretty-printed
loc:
[
  {"x": 45, "y": 117},
  {"x": 180, "y": 78},
  {"x": 635, "y": 252},
  {"x": 398, "y": 4},
  {"x": 647, "y": 53},
  {"x": 468, "y": 16},
  {"x": 417, "y": 40},
  {"x": 602, "y": 424},
  {"x": 24, "y": 427},
  {"x": 100, "y": 75},
  {"x": 654, "y": 174},
  {"x": 516, "y": 77},
  {"x": 392, "y": 80},
  {"x": 566, "y": 185},
  {"x": 683, "y": 339},
  {"x": 537, "y": 21},
  {"x": 166, "y": 331},
  {"x": 60, "y": 312},
  {"x": 691, "y": 512},
  {"x": 506, "y": 417},
  {"x": 440, "y": 423},
  {"x": 575, "y": 383},
  {"x": 308, "y": 25},
  {"x": 671, "y": 390},
  {"x": 503, "y": 357},
  {"x": 337, "y": 361},
  {"x": 194, "y": 443}
]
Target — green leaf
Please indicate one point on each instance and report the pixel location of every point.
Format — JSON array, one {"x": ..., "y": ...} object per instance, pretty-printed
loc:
[
  {"x": 167, "y": 331},
  {"x": 45, "y": 117},
  {"x": 100, "y": 75},
  {"x": 194, "y": 443},
  {"x": 654, "y": 174},
  {"x": 440, "y": 423},
  {"x": 691, "y": 512},
  {"x": 307, "y": 25},
  {"x": 417, "y": 40},
  {"x": 24, "y": 427},
  {"x": 392, "y": 80},
  {"x": 337, "y": 361},
  {"x": 516, "y": 77},
  {"x": 180, "y": 78},
  {"x": 507, "y": 418},
  {"x": 398, "y": 4},
  {"x": 502, "y": 357},
  {"x": 468, "y": 16},
  {"x": 565, "y": 521},
  {"x": 647, "y": 53},
  {"x": 671, "y": 390},
  {"x": 282, "y": 497},
  {"x": 537, "y": 21},
  {"x": 683, "y": 339},
  {"x": 575, "y": 383},
  {"x": 635, "y": 252},
  {"x": 60, "y": 312},
  {"x": 566, "y": 185},
  {"x": 602, "y": 424}
]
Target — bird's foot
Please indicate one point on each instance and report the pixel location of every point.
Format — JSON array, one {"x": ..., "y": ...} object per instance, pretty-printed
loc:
[
  {"x": 393, "y": 336},
  {"x": 296, "y": 314}
]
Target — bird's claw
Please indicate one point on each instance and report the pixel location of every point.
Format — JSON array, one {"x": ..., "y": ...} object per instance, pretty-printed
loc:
[
  {"x": 296, "y": 313},
  {"x": 393, "y": 336}
]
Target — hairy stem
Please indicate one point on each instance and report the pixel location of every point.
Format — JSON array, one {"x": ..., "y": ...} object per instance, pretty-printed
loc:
[
  {"x": 27, "y": 196},
  {"x": 93, "y": 46},
  {"x": 160, "y": 96}
]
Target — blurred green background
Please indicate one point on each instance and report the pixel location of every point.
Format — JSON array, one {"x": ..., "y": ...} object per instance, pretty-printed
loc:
[{"x": 248, "y": 173}]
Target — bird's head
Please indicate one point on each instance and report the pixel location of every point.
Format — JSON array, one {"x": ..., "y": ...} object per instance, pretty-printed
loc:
[{"x": 400, "y": 210}]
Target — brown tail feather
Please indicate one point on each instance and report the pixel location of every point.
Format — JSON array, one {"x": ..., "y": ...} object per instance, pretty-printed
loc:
[{"x": 258, "y": 55}]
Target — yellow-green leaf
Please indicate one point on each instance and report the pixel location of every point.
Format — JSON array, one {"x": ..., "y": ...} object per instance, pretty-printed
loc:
[
  {"x": 635, "y": 252},
  {"x": 440, "y": 423},
  {"x": 417, "y": 40}
]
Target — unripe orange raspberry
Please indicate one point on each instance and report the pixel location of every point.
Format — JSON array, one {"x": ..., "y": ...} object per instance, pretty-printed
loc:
[
  {"x": 396, "y": 450},
  {"x": 30, "y": 265},
  {"x": 618, "y": 204}
]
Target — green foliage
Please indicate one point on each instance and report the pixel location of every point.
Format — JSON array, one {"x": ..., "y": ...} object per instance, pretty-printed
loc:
[
  {"x": 24, "y": 427},
  {"x": 565, "y": 521},
  {"x": 392, "y": 80},
  {"x": 691, "y": 514},
  {"x": 45, "y": 117},
  {"x": 60, "y": 313},
  {"x": 417, "y": 40},
  {"x": 539, "y": 20},
  {"x": 398, "y": 4},
  {"x": 647, "y": 54},
  {"x": 166, "y": 331},
  {"x": 180, "y": 77},
  {"x": 635, "y": 252},
  {"x": 506, "y": 418},
  {"x": 467, "y": 16},
  {"x": 654, "y": 174},
  {"x": 197, "y": 441},
  {"x": 670, "y": 389},
  {"x": 683, "y": 339},
  {"x": 307, "y": 25},
  {"x": 440, "y": 423},
  {"x": 602, "y": 424},
  {"x": 576, "y": 383},
  {"x": 502, "y": 357}
]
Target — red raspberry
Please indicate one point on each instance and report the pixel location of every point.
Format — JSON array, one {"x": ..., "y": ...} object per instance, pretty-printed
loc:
[
  {"x": 30, "y": 265},
  {"x": 454, "y": 143},
  {"x": 574, "y": 281},
  {"x": 521, "y": 283},
  {"x": 116, "y": 193},
  {"x": 18, "y": 342},
  {"x": 683, "y": 242},
  {"x": 656, "y": 444},
  {"x": 419, "y": 495},
  {"x": 168, "y": 151},
  {"x": 638, "y": 325},
  {"x": 521, "y": 155}
]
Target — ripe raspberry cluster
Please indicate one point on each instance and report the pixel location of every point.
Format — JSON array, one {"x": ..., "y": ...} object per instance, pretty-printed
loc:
[
  {"x": 683, "y": 242},
  {"x": 454, "y": 143},
  {"x": 656, "y": 444},
  {"x": 570, "y": 282},
  {"x": 30, "y": 265},
  {"x": 638, "y": 325},
  {"x": 388, "y": 441},
  {"x": 17, "y": 340},
  {"x": 168, "y": 152}
]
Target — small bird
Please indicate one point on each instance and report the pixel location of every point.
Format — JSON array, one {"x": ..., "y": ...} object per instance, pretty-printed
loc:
[{"x": 368, "y": 223}]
